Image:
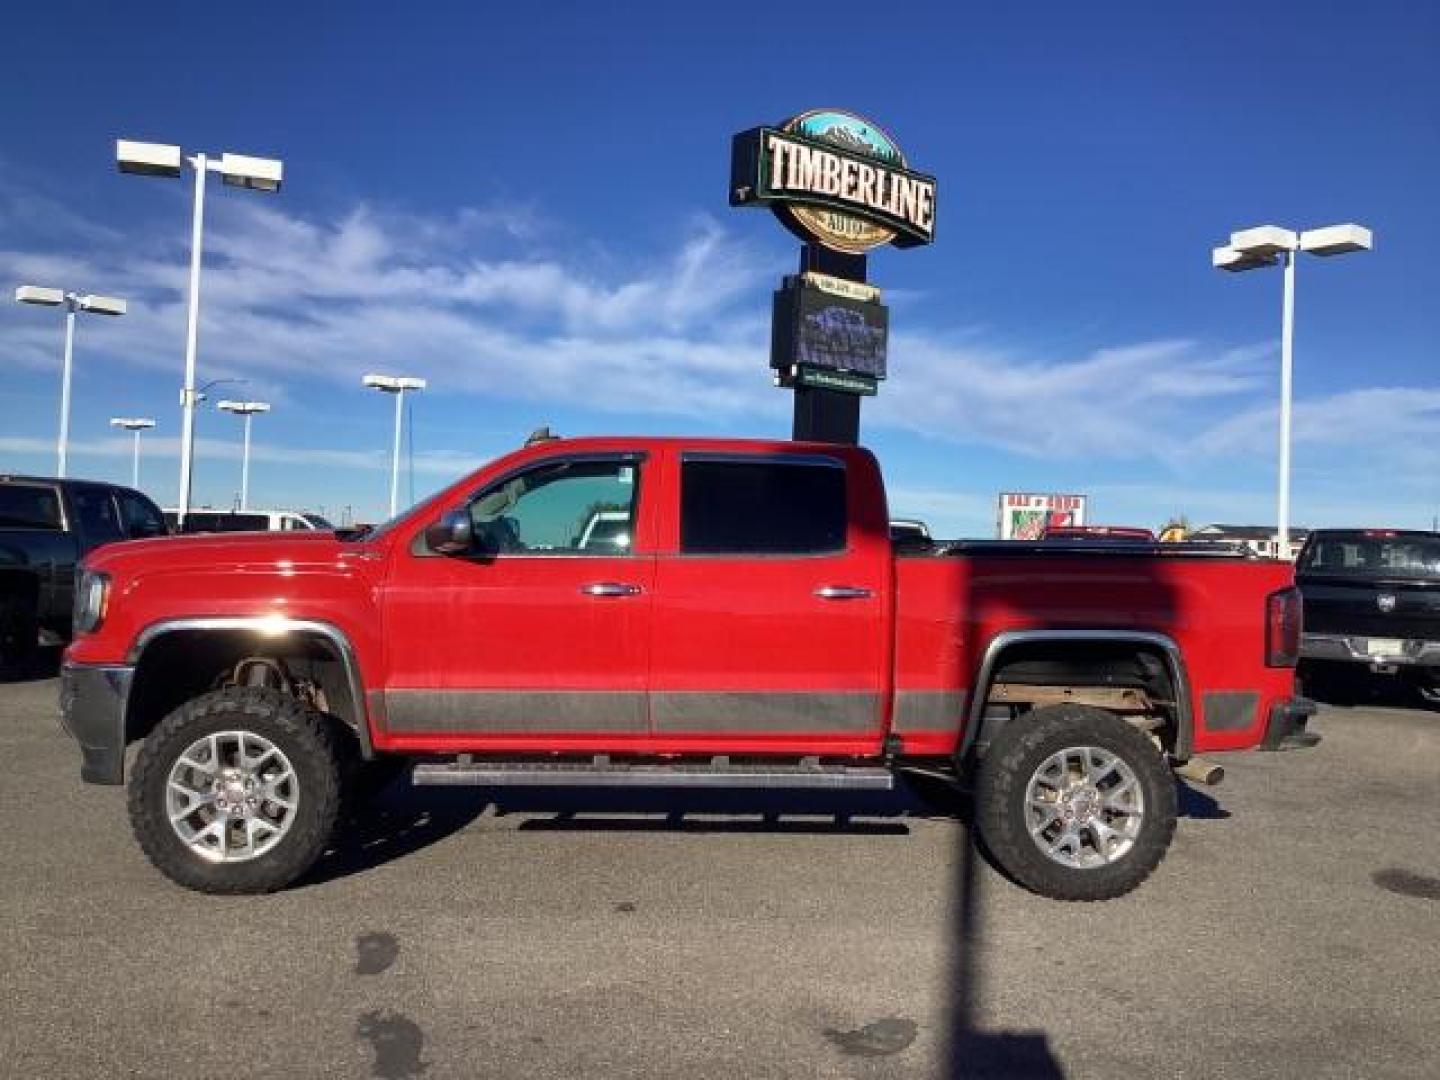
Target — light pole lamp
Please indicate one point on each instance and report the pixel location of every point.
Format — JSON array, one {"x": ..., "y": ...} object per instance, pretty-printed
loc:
[
  {"x": 236, "y": 170},
  {"x": 72, "y": 302},
  {"x": 397, "y": 385},
  {"x": 135, "y": 425},
  {"x": 246, "y": 409},
  {"x": 1269, "y": 245}
]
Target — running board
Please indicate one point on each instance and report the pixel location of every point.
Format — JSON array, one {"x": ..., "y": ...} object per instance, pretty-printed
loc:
[{"x": 718, "y": 773}]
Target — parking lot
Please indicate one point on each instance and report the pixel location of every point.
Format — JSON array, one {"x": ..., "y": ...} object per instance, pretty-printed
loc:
[{"x": 1291, "y": 932}]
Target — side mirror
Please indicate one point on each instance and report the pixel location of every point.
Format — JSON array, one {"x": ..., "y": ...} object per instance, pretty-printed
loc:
[{"x": 451, "y": 535}]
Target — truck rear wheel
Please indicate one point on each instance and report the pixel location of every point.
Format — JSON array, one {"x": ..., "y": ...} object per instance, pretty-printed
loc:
[
  {"x": 236, "y": 791},
  {"x": 1075, "y": 803}
]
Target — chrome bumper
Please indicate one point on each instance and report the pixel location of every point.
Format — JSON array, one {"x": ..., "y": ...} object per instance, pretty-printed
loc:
[
  {"x": 92, "y": 711},
  {"x": 1356, "y": 649}
]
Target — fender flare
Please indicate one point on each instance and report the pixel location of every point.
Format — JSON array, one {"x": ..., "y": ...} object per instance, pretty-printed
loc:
[
  {"x": 273, "y": 626},
  {"x": 1164, "y": 643}
]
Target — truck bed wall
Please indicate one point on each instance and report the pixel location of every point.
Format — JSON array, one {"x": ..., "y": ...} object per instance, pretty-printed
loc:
[{"x": 949, "y": 608}]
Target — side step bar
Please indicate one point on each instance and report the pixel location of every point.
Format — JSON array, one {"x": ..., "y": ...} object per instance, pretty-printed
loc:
[{"x": 717, "y": 773}]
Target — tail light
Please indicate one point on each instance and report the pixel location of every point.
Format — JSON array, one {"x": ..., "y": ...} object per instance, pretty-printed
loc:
[{"x": 1284, "y": 612}]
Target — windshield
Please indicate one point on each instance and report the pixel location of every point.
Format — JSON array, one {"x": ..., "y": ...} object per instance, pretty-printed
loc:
[{"x": 1373, "y": 555}]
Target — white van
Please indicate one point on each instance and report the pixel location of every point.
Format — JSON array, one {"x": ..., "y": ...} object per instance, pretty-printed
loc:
[{"x": 204, "y": 520}]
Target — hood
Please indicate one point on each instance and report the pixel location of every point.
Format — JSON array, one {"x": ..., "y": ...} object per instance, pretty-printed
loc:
[{"x": 270, "y": 550}]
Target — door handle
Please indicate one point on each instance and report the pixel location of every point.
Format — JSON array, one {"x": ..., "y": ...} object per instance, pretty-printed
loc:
[
  {"x": 610, "y": 588},
  {"x": 843, "y": 592}
]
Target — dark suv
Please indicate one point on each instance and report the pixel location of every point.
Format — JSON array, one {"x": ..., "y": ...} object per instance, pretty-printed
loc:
[
  {"x": 46, "y": 527},
  {"x": 1372, "y": 607}
]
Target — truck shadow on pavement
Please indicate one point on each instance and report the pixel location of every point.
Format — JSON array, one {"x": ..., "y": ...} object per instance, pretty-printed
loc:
[{"x": 404, "y": 819}]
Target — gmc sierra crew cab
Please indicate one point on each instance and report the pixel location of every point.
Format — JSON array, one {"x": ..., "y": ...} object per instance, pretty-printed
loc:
[{"x": 752, "y": 625}]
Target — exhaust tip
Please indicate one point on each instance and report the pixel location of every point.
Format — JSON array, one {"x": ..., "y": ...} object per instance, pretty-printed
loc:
[{"x": 1200, "y": 771}]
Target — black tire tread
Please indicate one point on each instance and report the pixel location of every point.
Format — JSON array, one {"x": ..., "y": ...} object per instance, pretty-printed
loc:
[
  {"x": 309, "y": 734},
  {"x": 1012, "y": 757}
]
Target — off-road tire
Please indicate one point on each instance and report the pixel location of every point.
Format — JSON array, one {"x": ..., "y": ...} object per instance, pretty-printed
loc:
[
  {"x": 1018, "y": 749},
  {"x": 301, "y": 733},
  {"x": 18, "y": 635}
]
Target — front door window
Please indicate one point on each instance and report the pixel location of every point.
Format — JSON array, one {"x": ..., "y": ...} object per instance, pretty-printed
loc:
[{"x": 564, "y": 508}]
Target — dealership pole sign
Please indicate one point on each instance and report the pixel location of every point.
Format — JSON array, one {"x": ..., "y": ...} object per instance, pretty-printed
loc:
[
  {"x": 841, "y": 184},
  {"x": 836, "y": 179}
]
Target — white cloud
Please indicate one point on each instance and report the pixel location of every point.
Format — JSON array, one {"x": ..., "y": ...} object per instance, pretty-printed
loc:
[{"x": 497, "y": 303}]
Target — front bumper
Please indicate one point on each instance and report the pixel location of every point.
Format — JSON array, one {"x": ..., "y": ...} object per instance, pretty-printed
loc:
[
  {"x": 1285, "y": 729},
  {"x": 1375, "y": 651},
  {"x": 92, "y": 711}
]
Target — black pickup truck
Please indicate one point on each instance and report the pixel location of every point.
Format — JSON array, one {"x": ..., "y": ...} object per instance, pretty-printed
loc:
[
  {"x": 1372, "y": 608},
  {"x": 46, "y": 527}
]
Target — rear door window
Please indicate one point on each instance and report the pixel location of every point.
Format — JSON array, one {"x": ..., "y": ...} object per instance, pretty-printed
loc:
[
  {"x": 29, "y": 506},
  {"x": 141, "y": 517},
  {"x": 99, "y": 519},
  {"x": 769, "y": 506}
]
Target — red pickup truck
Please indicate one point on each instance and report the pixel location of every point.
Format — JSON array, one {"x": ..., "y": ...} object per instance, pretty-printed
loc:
[{"x": 653, "y": 612}]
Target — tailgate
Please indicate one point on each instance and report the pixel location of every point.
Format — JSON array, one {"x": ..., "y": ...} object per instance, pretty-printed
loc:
[{"x": 1371, "y": 608}]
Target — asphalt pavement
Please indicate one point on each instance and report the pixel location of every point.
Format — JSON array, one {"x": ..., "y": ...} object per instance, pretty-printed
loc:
[{"x": 1293, "y": 931}]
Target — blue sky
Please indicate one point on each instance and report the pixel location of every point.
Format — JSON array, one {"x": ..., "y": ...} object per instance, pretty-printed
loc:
[{"x": 527, "y": 207}]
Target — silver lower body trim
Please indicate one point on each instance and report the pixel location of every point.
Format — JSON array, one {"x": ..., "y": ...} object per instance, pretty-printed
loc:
[
  {"x": 675, "y": 712},
  {"x": 708, "y": 711},
  {"x": 928, "y": 711},
  {"x": 523, "y": 711}
]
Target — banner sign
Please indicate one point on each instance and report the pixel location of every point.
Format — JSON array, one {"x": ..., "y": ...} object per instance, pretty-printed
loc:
[
  {"x": 836, "y": 179},
  {"x": 1026, "y": 516}
]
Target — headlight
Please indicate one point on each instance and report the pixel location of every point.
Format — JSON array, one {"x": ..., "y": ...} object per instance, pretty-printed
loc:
[{"x": 92, "y": 594}]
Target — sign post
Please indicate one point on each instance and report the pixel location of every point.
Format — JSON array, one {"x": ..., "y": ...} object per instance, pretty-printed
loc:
[{"x": 839, "y": 183}]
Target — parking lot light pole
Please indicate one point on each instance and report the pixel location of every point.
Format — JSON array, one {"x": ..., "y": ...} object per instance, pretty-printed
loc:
[
  {"x": 397, "y": 385},
  {"x": 72, "y": 302},
  {"x": 135, "y": 425},
  {"x": 1267, "y": 245},
  {"x": 246, "y": 409},
  {"x": 237, "y": 170}
]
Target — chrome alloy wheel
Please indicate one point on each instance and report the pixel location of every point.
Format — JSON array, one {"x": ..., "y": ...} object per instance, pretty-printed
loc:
[
  {"x": 231, "y": 796},
  {"x": 1084, "y": 807}
]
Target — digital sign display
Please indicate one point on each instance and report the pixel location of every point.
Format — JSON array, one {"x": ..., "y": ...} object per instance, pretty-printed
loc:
[{"x": 825, "y": 329}]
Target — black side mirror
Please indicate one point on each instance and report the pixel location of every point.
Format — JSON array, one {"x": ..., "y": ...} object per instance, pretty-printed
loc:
[{"x": 451, "y": 535}]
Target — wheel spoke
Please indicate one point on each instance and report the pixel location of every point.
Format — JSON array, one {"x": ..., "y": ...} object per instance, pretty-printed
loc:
[
  {"x": 1103, "y": 834},
  {"x": 1111, "y": 799},
  {"x": 204, "y": 767},
  {"x": 1106, "y": 767},
  {"x": 188, "y": 789}
]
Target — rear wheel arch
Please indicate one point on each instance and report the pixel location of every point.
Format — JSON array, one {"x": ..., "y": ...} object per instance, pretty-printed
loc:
[
  {"x": 178, "y": 660},
  {"x": 1008, "y": 647}
]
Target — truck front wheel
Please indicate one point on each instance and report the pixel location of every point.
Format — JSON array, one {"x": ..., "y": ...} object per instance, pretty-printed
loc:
[
  {"x": 1075, "y": 803},
  {"x": 236, "y": 791}
]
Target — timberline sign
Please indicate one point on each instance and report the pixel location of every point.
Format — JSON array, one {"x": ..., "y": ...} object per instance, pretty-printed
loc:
[{"x": 836, "y": 179}]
